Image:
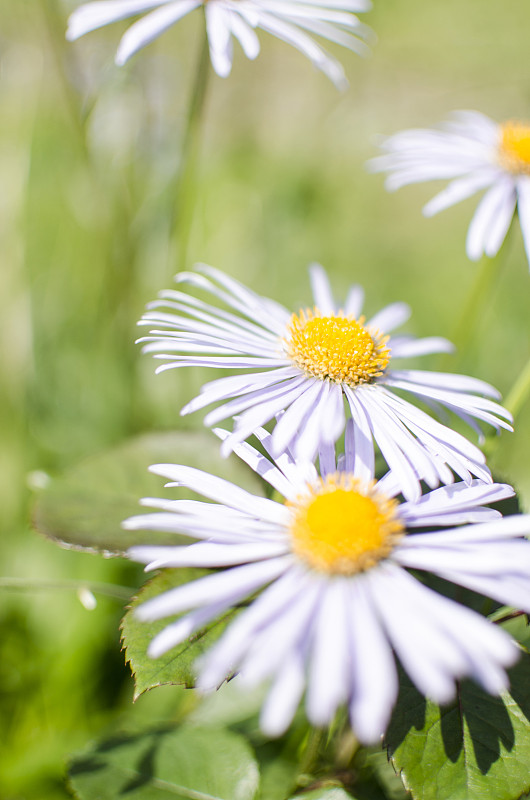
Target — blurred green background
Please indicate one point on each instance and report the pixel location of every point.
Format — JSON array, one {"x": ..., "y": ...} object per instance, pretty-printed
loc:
[{"x": 88, "y": 159}]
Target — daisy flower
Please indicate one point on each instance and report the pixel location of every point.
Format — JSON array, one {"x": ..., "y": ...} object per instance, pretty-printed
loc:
[
  {"x": 332, "y": 598},
  {"x": 474, "y": 153},
  {"x": 295, "y": 22},
  {"x": 314, "y": 365}
]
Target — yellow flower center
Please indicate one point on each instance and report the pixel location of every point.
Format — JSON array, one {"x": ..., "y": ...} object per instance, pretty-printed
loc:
[
  {"x": 338, "y": 348},
  {"x": 514, "y": 147},
  {"x": 344, "y": 526}
]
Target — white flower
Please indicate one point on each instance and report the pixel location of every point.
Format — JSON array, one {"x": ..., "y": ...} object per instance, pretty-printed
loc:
[
  {"x": 294, "y": 22},
  {"x": 309, "y": 364},
  {"x": 334, "y": 600},
  {"x": 474, "y": 153}
]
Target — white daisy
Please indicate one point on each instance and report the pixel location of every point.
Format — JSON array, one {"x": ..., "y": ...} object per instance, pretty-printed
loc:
[
  {"x": 474, "y": 153},
  {"x": 335, "y": 601},
  {"x": 294, "y": 22},
  {"x": 314, "y": 364}
]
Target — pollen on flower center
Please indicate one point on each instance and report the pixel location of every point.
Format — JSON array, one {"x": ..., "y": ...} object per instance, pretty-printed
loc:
[
  {"x": 344, "y": 526},
  {"x": 338, "y": 348},
  {"x": 514, "y": 147}
]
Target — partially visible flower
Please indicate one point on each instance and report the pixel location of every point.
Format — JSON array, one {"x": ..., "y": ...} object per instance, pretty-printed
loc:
[
  {"x": 294, "y": 22},
  {"x": 335, "y": 600},
  {"x": 308, "y": 364},
  {"x": 474, "y": 153}
]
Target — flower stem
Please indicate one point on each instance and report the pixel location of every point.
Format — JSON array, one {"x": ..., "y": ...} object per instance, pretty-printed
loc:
[
  {"x": 476, "y": 302},
  {"x": 310, "y": 755},
  {"x": 519, "y": 392},
  {"x": 123, "y": 593},
  {"x": 55, "y": 33},
  {"x": 187, "y": 188}
]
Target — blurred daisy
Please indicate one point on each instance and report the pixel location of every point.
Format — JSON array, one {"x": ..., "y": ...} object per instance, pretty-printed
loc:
[
  {"x": 334, "y": 600},
  {"x": 308, "y": 364},
  {"x": 474, "y": 153},
  {"x": 295, "y": 22}
]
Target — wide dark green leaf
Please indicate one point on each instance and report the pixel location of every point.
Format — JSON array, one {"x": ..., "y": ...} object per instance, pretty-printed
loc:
[
  {"x": 175, "y": 666},
  {"x": 477, "y": 748},
  {"x": 84, "y": 508},
  {"x": 185, "y": 763}
]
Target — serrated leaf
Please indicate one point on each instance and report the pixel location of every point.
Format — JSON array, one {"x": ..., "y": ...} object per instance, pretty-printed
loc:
[
  {"x": 177, "y": 665},
  {"x": 185, "y": 763},
  {"x": 84, "y": 508},
  {"x": 476, "y": 748}
]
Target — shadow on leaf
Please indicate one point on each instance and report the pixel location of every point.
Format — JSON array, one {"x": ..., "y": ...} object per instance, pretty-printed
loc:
[
  {"x": 477, "y": 723},
  {"x": 142, "y": 746}
]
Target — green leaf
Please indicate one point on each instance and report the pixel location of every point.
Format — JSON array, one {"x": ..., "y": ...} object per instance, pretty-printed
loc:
[
  {"x": 84, "y": 508},
  {"x": 175, "y": 666},
  {"x": 517, "y": 626},
  {"x": 185, "y": 763},
  {"x": 477, "y": 747}
]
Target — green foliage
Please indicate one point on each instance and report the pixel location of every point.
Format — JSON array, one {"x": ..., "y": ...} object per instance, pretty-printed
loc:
[
  {"x": 88, "y": 167},
  {"x": 175, "y": 666},
  {"x": 185, "y": 763},
  {"x": 84, "y": 508},
  {"x": 477, "y": 748}
]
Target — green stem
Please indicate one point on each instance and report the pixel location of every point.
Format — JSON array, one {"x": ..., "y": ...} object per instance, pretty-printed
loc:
[
  {"x": 515, "y": 399},
  {"x": 476, "y": 302},
  {"x": 57, "y": 45},
  {"x": 187, "y": 188},
  {"x": 309, "y": 758},
  {"x": 519, "y": 392},
  {"x": 108, "y": 589}
]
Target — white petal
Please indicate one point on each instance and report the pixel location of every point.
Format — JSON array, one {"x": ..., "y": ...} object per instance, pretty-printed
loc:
[
  {"x": 218, "y": 587},
  {"x": 292, "y": 35},
  {"x": 220, "y": 490},
  {"x": 402, "y": 347},
  {"x": 218, "y": 28},
  {"x": 226, "y": 654},
  {"x": 236, "y": 385},
  {"x": 428, "y": 654},
  {"x": 283, "y": 698},
  {"x": 493, "y": 204},
  {"x": 321, "y": 289},
  {"x": 150, "y": 27},
  {"x": 445, "y": 380},
  {"x": 354, "y": 302},
  {"x": 184, "y": 627},
  {"x": 289, "y": 426},
  {"x": 329, "y": 660},
  {"x": 390, "y": 317},
  {"x": 373, "y": 669},
  {"x": 359, "y": 446},
  {"x": 459, "y": 190},
  {"x": 245, "y": 36},
  {"x": 523, "y": 206},
  {"x": 208, "y": 554},
  {"x": 91, "y": 16},
  {"x": 261, "y": 465},
  {"x": 451, "y": 499}
]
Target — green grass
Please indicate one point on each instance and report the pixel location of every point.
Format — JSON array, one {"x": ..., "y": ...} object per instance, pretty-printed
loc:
[{"x": 88, "y": 160}]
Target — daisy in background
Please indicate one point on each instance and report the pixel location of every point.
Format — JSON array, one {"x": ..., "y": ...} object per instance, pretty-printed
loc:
[
  {"x": 314, "y": 365},
  {"x": 474, "y": 153},
  {"x": 335, "y": 600},
  {"x": 295, "y": 22}
]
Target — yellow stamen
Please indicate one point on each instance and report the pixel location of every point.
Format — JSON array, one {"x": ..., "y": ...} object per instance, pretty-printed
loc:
[
  {"x": 344, "y": 526},
  {"x": 339, "y": 348},
  {"x": 514, "y": 147}
]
